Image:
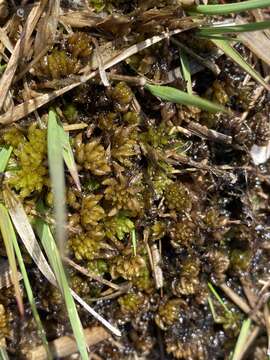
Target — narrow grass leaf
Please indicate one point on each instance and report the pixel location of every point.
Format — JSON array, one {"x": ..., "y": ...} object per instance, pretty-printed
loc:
[
  {"x": 242, "y": 339},
  {"x": 4, "y": 157},
  {"x": 180, "y": 97},
  {"x": 69, "y": 158},
  {"x": 6, "y": 230},
  {"x": 27, "y": 235},
  {"x": 56, "y": 168},
  {"x": 214, "y": 30},
  {"x": 214, "y": 292},
  {"x": 3, "y": 354},
  {"x": 186, "y": 71},
  {"x": 134, "y": 241},
  {"x": 238, "y": 59},
  {"x": 29, "y": 291},
  {"x": 212, "y": 308},
  {"x": 230, "y": 8}
]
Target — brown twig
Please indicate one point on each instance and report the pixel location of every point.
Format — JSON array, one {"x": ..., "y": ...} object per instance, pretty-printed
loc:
[{"x": 66, "y": 345}]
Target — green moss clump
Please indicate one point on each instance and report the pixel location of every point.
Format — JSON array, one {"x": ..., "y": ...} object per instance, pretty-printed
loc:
[
  {"x": 91, "y": 212},
  {"x": 13, "y": 137},
  {"x": 97, "y": 266},
  {"x": 178, "y": 197},
  {"x": 57, "y": 65},
  {"x": 89, "y": 245},
  {"x": 79, "y": 285},
  {"x": 124, "y": 145},
  {"x": 134, "y": 269},
  {"x": 118, "y": 226},
  {"x": 122, "y": 95},
  {"x": 184, "y": 233},
  {"x": 31, "y": 156},
  {"x": 79, "y": 45},
  {"x": 123, "y": 196},
  {"x": 132, "y": 303},
  {"x": 132, "y": 118},
  {"x": 4, "y": 331},
  {"x": 169, "y": 312},
  {"x": 156, "y": 136},
  {"x": 240, "y": 260},
  {"x": 92, "y": 156},
  {"x": 71, "y": 113}
]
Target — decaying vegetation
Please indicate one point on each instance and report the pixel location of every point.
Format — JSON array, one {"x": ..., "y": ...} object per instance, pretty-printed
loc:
[{"x": 159, "y": 222}]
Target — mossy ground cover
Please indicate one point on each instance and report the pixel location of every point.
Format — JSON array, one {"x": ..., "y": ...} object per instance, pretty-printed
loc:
[{"x": 168, "y": 229}]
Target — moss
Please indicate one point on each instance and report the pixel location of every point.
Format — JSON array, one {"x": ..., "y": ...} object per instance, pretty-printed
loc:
[
  {"x": 89, "y": 245},
  {"x": 4, "y": 328},
  {"x": 184, "y": 233},
  {"x": 131, "y": 303},
  {"x": 134, "y": 269},
  {"x": 92, "y": 156},
  {"x": 97, "y": 266},
  {"x": 132, "y": 118},
  {"x": 79, "y": 285},
  {"x": 156, "y": 136},
  {"x": 122, "y": 95},
  {"x": 79, "y": 45},
  {"x": 178, "y": 197},
  {"x": 71, "y": 113},
  {"x": 118, "y": 226},
  {"x": 31, "y": 156},
  {"x": 124, "y": 145},
  {"x": 240, "y": 260},
  {"x": 91, "y": 212},
  {"x": 169, "y": 312},
  {"x": 123, "y": 196},
  {"x": 13, "y": 137}
]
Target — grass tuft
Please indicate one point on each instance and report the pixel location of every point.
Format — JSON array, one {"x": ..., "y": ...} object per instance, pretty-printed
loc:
[{"x": 224, "y": 9}]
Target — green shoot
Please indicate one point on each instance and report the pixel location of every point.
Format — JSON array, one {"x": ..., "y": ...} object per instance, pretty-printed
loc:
[
  {"x": 230, "y": 8},
  {"x": 58, "y": 269},
  {"x": 29, "y": 290},
  {"x": 4, "y": 157},
  {"x": 214, "y": 292},
  {"x": 214, "y": 30},
  {"x": 180, "y": 97},
  {"x": 242, "y": 339},
  {"x": 236, "y": 57},
  {"x": 3, "y": 354},
  {"x": 212, "y": 308},
  {"x": 6, "y": 230},
  {"x": 56, "y": 167},
  {"x": 186, "y": 71},
  {"x": 134, "y": 241}
]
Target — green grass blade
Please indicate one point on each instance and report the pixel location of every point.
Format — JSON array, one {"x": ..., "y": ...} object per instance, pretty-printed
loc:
[
  {"x": 180, "y": 97},
  {"x": 29, "y": 290},
  {"x": 4, "y": 157},
  {"x": 3, "y": 354},
  {"x": 242, "y": 339},
  {"x": 212, "y": 308},
  {"x": 56, "y": 167},
  {"x": 214, "y": 292},
  {"x": 58, "y": 269},
  {"x": 215, "y": 30},
  {"x": 238, "y": 59},
  {"x": 134, "y": 241},
  {"x": 230, "y": 8},
  {"x": 6, "y": 230},
  {"x": 68, "y": 157},
  {"x": 186, "y": 71}
]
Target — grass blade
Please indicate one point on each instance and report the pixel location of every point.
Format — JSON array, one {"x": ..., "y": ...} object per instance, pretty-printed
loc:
[
  {"x": 56, "y": 168},
  {"x": 230, "y": 8},
  {"x": 6, "y": 230},
  {"x": 236, "y": 57},
  {"x": 180, "y": 97},
  {"x": 134, "y": 241},
  {"x": 45, "y": 235},
  {"x": 3, "y": 354},
  {"x": 69, "y": 158},
  {"x": 214, "y": 292},
  {"x": 58, "y": 269},
  {"x": 214, "y": 30},
  {"x": 4, "y": 157},
  {"x": 242, "y": 339},
  {"x": 29, "y": 290},
  {"x": 186, "y": 71}
]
